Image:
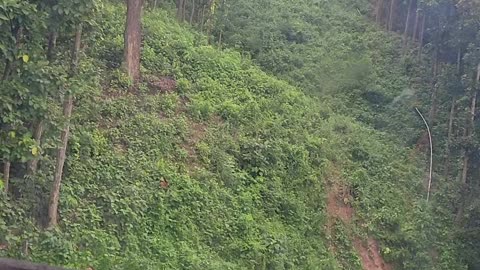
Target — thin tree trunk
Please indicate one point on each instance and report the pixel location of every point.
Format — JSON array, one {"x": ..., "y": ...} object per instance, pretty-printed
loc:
[
  {"x": 407, "y": 25},
  {"x": 434, "y": 86},
  {"x": 379, "y": 12},
  {"x": 61, "y": 151},
  {"x": 422, "y": 33},
  {"x": 6, "y": 175},
  {"x": 391, "y": 17},
  {"x": 179, "y": 4},
  {"x": 459, "y": 60},
  {"x": 220, "y": 39},
  {"x": 449, "y": 137},
  {"x": 203, "y": 19},
  {"x": 133, "y": 39},
  {"x": 52, "y": 44},
  {"x": 415, "y": 25},
  {"x": 155, "y": 4},
  {"x": 184, "y": 12},
  {"x": 192, "y": 12},
  {"x": 32, "y": 165},
  {"x": 470, "y": 127},
  {"x": 10, "y": 65}
]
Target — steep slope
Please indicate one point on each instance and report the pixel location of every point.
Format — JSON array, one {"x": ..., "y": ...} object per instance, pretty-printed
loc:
[{"x": 213, "y": 164}]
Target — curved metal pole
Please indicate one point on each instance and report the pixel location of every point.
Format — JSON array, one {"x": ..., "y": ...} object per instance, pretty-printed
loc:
[{"x": 431, "y": 154}]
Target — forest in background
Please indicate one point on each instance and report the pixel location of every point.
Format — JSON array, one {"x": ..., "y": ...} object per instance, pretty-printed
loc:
[{"x": 240, "y": 134}]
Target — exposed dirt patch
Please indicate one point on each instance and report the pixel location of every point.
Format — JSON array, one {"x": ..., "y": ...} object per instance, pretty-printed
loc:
[
  {"x": 163, "y": 84},
  {"x": 370, "y": 255},
  {"x": 339, "y": 207}
]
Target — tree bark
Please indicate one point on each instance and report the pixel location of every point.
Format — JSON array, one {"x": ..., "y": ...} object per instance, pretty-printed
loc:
[
  {"x": 449, "y": 137},
  {"x": 6, "y": 175},
  {"x": 32, "y": 165},
  {"x": 133, "y": 39},
  {"x": 192, "y": 12},
  {"x": 52, "y": 44},
  {"x": 61, "y": 151},
  {"x": 434, "y": 87},
  {"x": 470, "y": 128},
  {"x": 422, "y": 33},
  {"x": 391, "y": 17},
  {"x": 379, "y": 12},
  {"x": 179, "y": 4},
  {"x": 407, "y": 24},
  {"x": 184, "y": 8},
  {"x": 415, "y": 26}
]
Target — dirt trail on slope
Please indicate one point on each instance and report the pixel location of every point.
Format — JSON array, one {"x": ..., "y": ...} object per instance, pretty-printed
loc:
[{"x": 339, "y": 208}]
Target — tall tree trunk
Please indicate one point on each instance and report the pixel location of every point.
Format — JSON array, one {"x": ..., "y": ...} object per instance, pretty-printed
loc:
[
  {"x": 133, "y": 39},
  {"x": 61, "y": 151},
  {"x": 52, "y": 44},
  {"x": 470, "y": 127},
  {"x": 39, "y": 126},
  {"x": 379, "y": 11},
  {"x": 391, "y": 17},
  {"x": 220, "y": 39},
  {"x": 422, "y": 33},
  {"x": 415, "y": 25},
  {"x": 184, "y": 10},
  {"x": 459, "y": 61},
  {"x": 179, "y": 4},
  {"x": 202, "y": 24},
  {"x": 10, "y": 65},
  {"x": 434, "y": 86},
  {"x": 449, "y": 137},
  {"x": 6, "y": 175},
  {"x": 32, "y": 165},
  {"x": 192, "y": 12},
  {"x": 407, "y": 25}
]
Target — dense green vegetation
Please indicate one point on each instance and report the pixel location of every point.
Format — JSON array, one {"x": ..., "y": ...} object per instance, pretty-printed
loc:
[{"x": 222, "y": 156}]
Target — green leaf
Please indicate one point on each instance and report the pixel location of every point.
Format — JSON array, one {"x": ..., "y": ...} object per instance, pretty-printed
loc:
[
  {"x": 34, "y": 151},
  {"x": 25, "y": 58},
  {"x": 1, "y": 183}
]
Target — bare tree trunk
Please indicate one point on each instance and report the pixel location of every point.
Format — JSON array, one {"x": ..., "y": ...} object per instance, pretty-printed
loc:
[
  {"x": 449, "y": 137},
  {"x": 470, "y": 127},
  {"x": 184, "y": 12},
  {"x": 10, "y": 65},
  {"x": 61, "y": 151},
  {"x": 422, "y": 33},
  {"x": 415, "y": 26},
  {"x": 32, "y": 165},
  {"x": 155, "y": 4},
  {"x": 379, "y": 12},
  {"x": 192, "y": 12},
  {"x": 179, "y": 4},
  {"x": 434, "y": 86},
  {"x": 133, "y": 39},
  {"x": 459, "y": 60},
  {"x": 52, "y": 44},
  {"x": 407, "y": 25},
  {"x": 6, "y": 175},
  {"x": 466, "y": 156},
  {"x": 203, "y": 19},
  {"x": 220, "y": 39},
  {"x": 391, "y": 17}
]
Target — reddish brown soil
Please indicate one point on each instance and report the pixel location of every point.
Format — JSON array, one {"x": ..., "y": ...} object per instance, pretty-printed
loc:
[
  {"x": 370, "y": 255},
  {"x": 339, "y": 208}
]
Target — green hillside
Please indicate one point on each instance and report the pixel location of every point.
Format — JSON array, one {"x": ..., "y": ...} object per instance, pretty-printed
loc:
[{"x": 283, "y": 148}]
